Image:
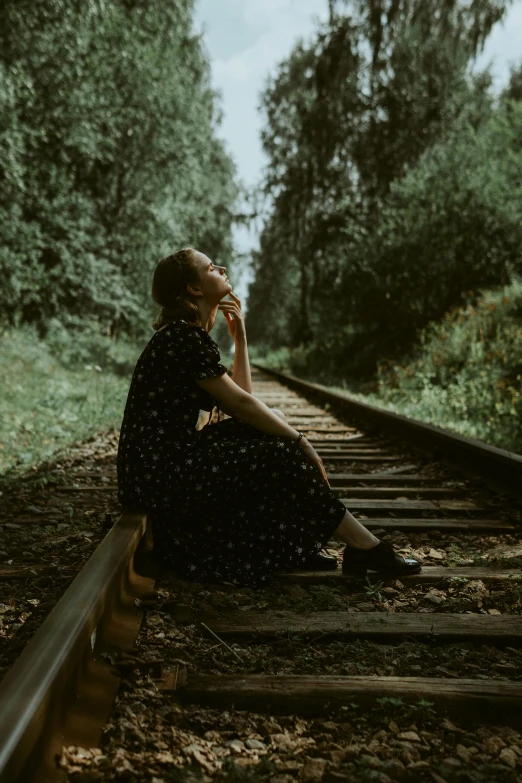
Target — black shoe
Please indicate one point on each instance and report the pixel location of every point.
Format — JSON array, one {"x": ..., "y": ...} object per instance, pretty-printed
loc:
[
  {"x": 319, "y": 562},
  {"x": 382, "y": 557}
]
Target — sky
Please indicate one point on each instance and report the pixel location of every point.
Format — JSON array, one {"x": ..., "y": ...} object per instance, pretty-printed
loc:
[{"x": 246, "y": 39}]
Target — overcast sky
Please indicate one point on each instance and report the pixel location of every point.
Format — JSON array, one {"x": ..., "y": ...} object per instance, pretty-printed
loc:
[{"x": 245, "y": 40}]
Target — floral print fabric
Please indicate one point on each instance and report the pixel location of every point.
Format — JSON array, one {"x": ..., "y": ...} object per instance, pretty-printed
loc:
[{"x": 228, "y": 502}]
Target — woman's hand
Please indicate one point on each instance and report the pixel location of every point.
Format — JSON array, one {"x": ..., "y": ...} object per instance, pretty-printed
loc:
[
  {"x": 234, "y": 317},
  {"x": 314, "y": 457}
]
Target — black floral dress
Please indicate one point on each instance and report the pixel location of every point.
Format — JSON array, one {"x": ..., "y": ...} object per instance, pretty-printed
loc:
[{"x": 227, "y": 502}]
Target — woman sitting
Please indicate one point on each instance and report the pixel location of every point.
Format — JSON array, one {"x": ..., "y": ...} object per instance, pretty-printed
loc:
[{"x": 241, "y": 499}]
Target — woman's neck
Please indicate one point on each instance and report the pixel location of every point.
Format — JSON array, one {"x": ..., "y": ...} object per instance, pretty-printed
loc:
[{"x": 208, "y": 315}]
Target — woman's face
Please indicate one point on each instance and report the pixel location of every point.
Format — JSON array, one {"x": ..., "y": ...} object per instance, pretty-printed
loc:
[{"x": 213, "y": 280}]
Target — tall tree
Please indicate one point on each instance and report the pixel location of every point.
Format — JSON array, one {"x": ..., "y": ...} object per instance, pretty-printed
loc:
[
  {"x": 117, "y": 161},
  {"x": 347, "y": 115}
]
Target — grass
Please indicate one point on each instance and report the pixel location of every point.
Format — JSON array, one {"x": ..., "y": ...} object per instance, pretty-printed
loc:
[{"x": 47, "y": 402}]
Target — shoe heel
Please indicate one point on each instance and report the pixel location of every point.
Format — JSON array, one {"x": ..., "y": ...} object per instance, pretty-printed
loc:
[{"x": 354, "y": 569}]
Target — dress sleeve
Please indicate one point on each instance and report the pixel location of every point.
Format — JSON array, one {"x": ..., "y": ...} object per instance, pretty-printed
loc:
[{"x": 200, "y": 355}]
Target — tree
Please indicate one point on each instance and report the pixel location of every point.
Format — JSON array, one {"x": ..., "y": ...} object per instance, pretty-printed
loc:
[
  {"x": 348, "y": 115},
  {"x": 113, "y": 121}
]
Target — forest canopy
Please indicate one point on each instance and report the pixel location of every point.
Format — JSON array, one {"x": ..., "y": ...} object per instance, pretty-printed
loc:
[
  {"x": 109, "y": 158},
  {"x": 392, "y": 191}
]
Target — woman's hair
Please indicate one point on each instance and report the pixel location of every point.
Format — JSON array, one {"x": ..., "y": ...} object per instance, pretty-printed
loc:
[{"x": 169, "y": 288}]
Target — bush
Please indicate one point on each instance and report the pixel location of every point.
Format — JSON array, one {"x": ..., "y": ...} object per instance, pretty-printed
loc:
[
  {"x": 78, "y": 342},
  {"x": 451, "y": 223},
  {"x": 466, "y": 372}
]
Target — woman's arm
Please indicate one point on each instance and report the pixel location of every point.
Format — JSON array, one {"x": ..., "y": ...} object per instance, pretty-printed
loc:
[
  {"x": 241, "y": 372},
  {"x": 236, "y": 326},
  {"x": 242, "y": 405}
]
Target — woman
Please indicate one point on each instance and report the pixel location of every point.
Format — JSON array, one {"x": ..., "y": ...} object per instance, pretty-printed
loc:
[{"x": 246, "y": 497}]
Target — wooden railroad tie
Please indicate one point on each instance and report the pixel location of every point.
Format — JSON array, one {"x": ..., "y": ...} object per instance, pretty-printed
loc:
[
  {"x": 408, "y": 506},
  {"x": 398, "y": 492},
  {"x": 492, "y": 700},
  {"x": 259, "y": 626},
  {"x": 430, "y": 575},
  {"x": 390, "y": 479},
  {"x": 482, "y": 525}
]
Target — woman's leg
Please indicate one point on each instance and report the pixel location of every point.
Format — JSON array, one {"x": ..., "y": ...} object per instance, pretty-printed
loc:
[
  {"x": 353, "y": 533},
  {"x": 350, "y": 530}
]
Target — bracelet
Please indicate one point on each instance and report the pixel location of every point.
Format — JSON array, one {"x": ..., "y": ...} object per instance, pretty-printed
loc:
[{"x": 301, "y": 435}]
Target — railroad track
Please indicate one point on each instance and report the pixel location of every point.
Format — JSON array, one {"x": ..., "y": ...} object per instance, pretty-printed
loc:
[{"x": 60, "y": 690}]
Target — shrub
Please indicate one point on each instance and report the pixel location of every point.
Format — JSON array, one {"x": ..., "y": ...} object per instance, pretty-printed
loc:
[{"x": 466, "y": 371}]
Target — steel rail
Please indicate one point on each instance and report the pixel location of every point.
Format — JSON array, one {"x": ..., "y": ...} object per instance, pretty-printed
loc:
[
  {"x": 60, "y": 690},
  {"x": 499, "y": 468}
]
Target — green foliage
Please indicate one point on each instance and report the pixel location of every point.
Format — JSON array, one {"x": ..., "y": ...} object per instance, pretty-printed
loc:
[
  {"x": 73, "y": 349},
  {"x": 390, "y": 701},
  {"x": 393, "y": 186},
  {"x": 278, "y": 359},
  {"x": 46, "y": 403},
  {"x": 374, "y": 588},
  {"x": 108, "y": 158},
  {"x": 452, "y": 223},
  {"x": 466, "y": 374}
]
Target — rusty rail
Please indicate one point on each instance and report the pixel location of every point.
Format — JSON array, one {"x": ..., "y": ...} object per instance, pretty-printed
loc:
[
  {"x": 60, "y": 690},
  {"x": 500, "y": 469}
]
